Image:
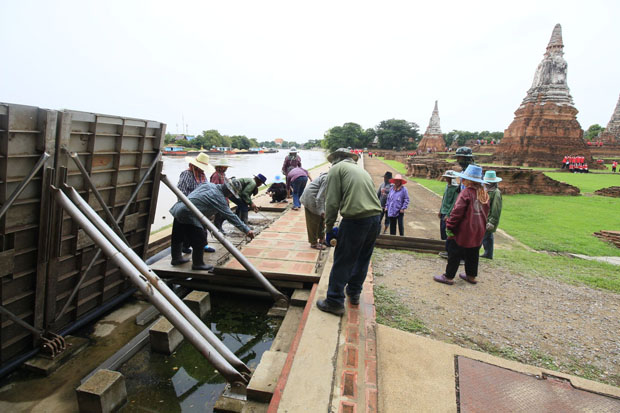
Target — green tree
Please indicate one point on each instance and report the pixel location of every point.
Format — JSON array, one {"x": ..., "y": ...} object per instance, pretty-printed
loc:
[
  {"x": 593, "y": 132},
  {"x": 240, "y": 142},
  {"x": 350, "y": 134},
  {"x": 397, "y": 134}
]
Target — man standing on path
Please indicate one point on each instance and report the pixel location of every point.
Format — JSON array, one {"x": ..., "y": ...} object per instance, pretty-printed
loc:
[
  {"x": 447, "y": 203},
  {"x": 382, "y": 194},
  {"x": 351, "y": 191},
  {"x": 495, "y": 202}
]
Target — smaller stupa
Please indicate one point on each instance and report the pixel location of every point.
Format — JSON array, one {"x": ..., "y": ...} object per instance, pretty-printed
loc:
[
  {"x": 433, "y": 138},
  {"x": 611, "y": 134}
]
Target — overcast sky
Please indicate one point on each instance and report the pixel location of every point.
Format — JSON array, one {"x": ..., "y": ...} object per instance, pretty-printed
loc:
[{"x": 292, "y": 69}]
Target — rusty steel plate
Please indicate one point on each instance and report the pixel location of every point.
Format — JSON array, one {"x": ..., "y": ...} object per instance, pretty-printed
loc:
[{"x": 487, "y": 388}]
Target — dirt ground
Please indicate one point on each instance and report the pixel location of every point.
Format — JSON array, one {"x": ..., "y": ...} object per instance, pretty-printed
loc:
[{"x": 574, "y": 329}]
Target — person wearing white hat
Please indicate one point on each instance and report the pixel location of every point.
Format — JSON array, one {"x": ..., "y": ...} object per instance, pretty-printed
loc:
[
  {"x": 190, "y": 179},
  {"x": 219, "y": 177},
  {"x": 495, "y": 201},
  {"x": 291, "y": 161}
]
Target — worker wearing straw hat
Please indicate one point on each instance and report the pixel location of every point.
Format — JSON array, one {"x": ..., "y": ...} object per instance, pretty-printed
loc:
[
  {"x": 495, "y": 201},
  {"x": 190, "y": 179},
  {"x": 219, "y": 177}
]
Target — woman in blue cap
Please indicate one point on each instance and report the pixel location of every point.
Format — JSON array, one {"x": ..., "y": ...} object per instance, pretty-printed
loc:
[
  {"x": 277, "y": 190},
  {"x": 466, "y": 227}
]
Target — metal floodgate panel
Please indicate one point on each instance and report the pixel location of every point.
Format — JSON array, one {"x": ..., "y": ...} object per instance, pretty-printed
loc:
[{"x": 487, "y": 388}]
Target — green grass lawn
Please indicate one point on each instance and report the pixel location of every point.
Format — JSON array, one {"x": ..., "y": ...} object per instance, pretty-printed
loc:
[
  {"x": 587, "y": 183},
  {"x": 556, "y": 223},
  {"x": 561, "y": 223}
]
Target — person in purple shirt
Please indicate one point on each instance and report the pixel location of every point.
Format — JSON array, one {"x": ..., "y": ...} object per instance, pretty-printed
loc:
[
  {"x": 298, "y": 177},
  {"x": 397, "y": 203}
]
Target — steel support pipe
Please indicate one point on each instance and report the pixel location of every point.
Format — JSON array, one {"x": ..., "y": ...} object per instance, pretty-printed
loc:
[
  {"x": 20, "y": 188},
  {"x": 133, "y": 196},
  {"x": 236, "y": 379},
  {"x": 279, "y": 298},
  {"x": 161, "y": 286}
]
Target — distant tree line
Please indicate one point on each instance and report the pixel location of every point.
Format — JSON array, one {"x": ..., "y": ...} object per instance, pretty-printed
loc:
[
  {"x": 593, "y": 132},
  {"x": 390, "y": 134}
]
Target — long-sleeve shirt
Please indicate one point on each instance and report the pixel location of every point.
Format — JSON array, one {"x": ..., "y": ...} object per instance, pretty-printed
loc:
[
  {"x": 290, "y": 162},
  {"x": 187, "y": 182},
  {"x": 468, "y": 219},
  {"x": 349, "y": 190},
  {"x": 296, "y": 173},
  {"x": 495, "y": 202},
  {"x": 248, "y": 186},
  {"x": 313, "y": 198},
  {"x": 209, "y": 199},
  {"x": 397, "y": 201},
  {"x": 218, "y": 178},
  {"x": 449, "y": 198},
  {"x": 383, "y": 191}
]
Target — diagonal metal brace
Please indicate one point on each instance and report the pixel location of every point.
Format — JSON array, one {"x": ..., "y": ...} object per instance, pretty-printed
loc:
[
  {"x": 120, "y": 217},
  {"x": 17, "y": 192}
]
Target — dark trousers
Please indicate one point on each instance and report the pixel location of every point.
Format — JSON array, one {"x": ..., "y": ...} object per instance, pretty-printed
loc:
[
  {"x": 242, "y": 209},
  {"x": 487, "y": 244},
  {"x": 442, "y": 227},
  {"x": 457, "y": 253},
  {"x": 401, "y": 227},
  {"x": 298, "y": 185},
  {"x": 193, "y": 235},
  {"x": 356, "y": 241},
  {"x": 387, "y": 219}
]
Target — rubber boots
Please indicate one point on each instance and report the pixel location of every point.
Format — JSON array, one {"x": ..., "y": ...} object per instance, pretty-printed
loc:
[
  {"x": 198, "y": 261},
  {"x": 177, "y": 255}
]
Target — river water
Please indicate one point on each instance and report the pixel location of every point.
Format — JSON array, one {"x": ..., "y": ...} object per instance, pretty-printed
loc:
[{"x": 241, "y": 166}]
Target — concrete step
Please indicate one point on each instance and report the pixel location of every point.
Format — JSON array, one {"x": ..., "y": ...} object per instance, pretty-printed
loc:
[
  {"x": 264, "y": 380},
  {"x": 300, "y": 298},
  {"x": 288, "y": 329}
]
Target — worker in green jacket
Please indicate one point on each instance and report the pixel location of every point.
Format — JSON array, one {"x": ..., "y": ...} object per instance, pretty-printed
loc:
[
  {"x": 447, "y": 203},
  {"x": 249, "y": 187},
  {"x": 351, "y": 191},
  {"x": 495, "y": 201}
]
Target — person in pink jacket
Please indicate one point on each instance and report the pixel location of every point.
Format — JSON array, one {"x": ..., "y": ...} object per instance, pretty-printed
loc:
[{"x": 466, "y": 227}]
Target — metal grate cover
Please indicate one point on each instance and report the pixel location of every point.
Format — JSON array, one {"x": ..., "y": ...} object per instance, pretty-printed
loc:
[{"x": 487, "y": 388}]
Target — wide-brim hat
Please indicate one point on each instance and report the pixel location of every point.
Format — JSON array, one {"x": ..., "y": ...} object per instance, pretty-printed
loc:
[
  {"x": 278, "y": 179},
  {"x": 201, "y": 162},
  {"x": 221, "y": 162},
  {"x": 491, "y": 177},
  {"x": 341, "y": 153},
  {"x": 472, "y": 173},
  {"x": 449, "y": 174},
  {"x": 398, "y": 177},
  {"x": 293, "y": 150},
  {"x": 261, "y": 178}
]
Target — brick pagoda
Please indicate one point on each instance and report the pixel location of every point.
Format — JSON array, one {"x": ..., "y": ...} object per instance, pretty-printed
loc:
[
  {"x": 545, "y": 127},
  {"x": 611, "y": 134},
  {"x": 433, "y": 138}
]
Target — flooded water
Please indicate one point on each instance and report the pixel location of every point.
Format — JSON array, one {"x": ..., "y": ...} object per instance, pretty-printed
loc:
[
  {"x": 241, "y": 166},
  {"x": 185, "y": 381}
]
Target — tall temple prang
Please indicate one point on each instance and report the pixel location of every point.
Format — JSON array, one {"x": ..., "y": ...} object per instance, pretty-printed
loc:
[
  {"x": 433, "y": 138},
  {"x": 611, "y": 134},
  {"x": 545, "y": 127}
]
